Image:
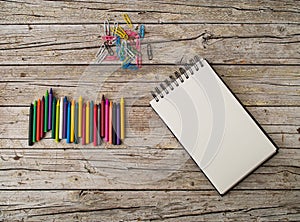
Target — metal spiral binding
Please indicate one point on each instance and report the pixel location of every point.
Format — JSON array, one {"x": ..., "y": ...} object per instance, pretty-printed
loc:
[{"x": 178, "y": 76}]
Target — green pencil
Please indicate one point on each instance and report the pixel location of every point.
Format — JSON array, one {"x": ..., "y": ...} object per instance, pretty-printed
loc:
[
  {"x": 53, "y": 117},
  {"x": 34, "y": 122},
  {"x": 46, "y": 112}
]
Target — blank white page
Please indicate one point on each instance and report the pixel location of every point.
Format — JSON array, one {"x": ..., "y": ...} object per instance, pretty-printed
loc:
[{"x": 214, "y": 128}]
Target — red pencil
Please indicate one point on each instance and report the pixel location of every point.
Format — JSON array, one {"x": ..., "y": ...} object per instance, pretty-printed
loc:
[
  {"x": 103, "y": 117},
  {"x": 38, "y": 124},
  {"x": 42, "y": 117},
  {"x": 83, "y": 124},
  {"x": 95, "y": 125}
]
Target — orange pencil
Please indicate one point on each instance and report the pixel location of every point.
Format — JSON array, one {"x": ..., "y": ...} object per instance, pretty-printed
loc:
[
  {"x": 110, "y": 123},
  {"x": 38, "y": 125}
]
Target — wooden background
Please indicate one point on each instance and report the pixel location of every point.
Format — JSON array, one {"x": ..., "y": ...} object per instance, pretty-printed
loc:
[{"x": 254, "y": 46}]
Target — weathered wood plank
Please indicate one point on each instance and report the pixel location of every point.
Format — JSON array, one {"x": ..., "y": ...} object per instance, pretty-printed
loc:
[
  {"x": 149, "y": 206},
  {"x": 202, "y": 11},
  {"x": 254, "y": 85},
  {"x": 145, "y": 128},
  {"x": 220, "y": 43},
  {"x": 138, "y": 168}
]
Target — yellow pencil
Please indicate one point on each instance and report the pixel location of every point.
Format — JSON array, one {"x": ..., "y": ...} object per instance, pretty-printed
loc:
[
  {"x": 57, "y": 122},
  {"x": 79, "y": 116},
  {"x": 72, "y": 121},
  {"x": 122, "y": 118},
  {"x": 87, "y": 123}
]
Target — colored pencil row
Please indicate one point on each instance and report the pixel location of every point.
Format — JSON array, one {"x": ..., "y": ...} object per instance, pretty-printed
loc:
[{"x": 72, "y": 120}]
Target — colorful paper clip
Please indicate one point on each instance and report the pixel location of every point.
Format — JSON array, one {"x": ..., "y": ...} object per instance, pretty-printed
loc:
[
  {"x": 127, "y": 20},
  {"x": 149, "y": 52},
  {"x": 120, "y": 32},
  {"x": 101, "y": 55},
  {"x": 142, "y": 31},
  {"x": 106, "y": 27},
  {"x": 116, "y": 24},
  {"x": 108, "y": 48}
]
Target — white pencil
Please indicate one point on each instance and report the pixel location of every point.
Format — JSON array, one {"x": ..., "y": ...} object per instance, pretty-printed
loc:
[{"x": 61, "y": 114}]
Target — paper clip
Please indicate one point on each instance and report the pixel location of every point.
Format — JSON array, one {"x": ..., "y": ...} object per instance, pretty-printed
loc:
[
  {"x": 101, "y": 54},
  {"x": 106, "y": 28},
  {"x": 120, "y": 32},
  {"x": 139, "y": 61},
  {"x": 129, "y": 52},
  {"x": 116, "y": 24},
  {"x": 101, "y": 50},
  {"x": 149, "y": 52},
  {"x": 131, "y": 33},
  {"x": 108, "y": 48},
  {"x": 111, "y": 58},
  {"x": 127, "y": 20},
  {"x": 108, "y": 38},
  {"x": 142, "y": 31}
]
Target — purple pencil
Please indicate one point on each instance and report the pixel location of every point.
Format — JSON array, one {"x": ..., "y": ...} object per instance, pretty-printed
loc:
[
  {"x": 50, "y": 110},
  {"x": 65, "y": 118},
  {"x": 118, "y": 125}
]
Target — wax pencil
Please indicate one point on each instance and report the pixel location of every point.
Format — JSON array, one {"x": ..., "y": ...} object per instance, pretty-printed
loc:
[
  {"x": 65, "y": 118},
  {"x": 42, "y": 117},
  {"x": 34, "y": 122},
  {"x": 102, "y": 117},
  {"x": 99, "y": 124},
  {"x": 53, "y": 118},
  {"x": 61, "y": 117},
  {"x": 38, "y": 120},
  {"x": 106, "y": 120},
  {"x": 30, "y": 130},
  {"x": 69, "y": 123},
  {"x": 114, "y": 131},
  {"x": 122, "y": 109},
  {"x": 83, "y": 123},
  {"x": 91, "y": 121},
  {"x": 76, "y": 124},
  {"x": 72, "y": 121},
  {"x": 46, "y": 112},
  {"x": 110, "y": 122},
  {"x": 87, "y": 123},
  {"x": 57, "y": 121},
  {"x": 79, "y": 116},
  {"x": 50, "y": 109},
  {"x": 95, "y": 125},
  {"x": 118, "y": 125}
]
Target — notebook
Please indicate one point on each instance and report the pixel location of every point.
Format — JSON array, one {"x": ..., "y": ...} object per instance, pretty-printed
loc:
[{"x": 219, "y": 134}]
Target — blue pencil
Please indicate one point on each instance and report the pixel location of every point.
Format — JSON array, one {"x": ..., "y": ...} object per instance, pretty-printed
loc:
[
  {"x": 91, "y": 121},
  {"x": 69, "y": 123}
]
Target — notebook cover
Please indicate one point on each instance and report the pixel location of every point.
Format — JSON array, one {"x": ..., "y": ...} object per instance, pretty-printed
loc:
[{"x": 220, "y": 135}]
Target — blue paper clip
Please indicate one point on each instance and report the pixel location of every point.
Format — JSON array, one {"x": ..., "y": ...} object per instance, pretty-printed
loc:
[{"x": 142, "y": 31}]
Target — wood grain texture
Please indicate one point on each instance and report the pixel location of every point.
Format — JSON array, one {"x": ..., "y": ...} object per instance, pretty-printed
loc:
[{"x": 254, "y": 47}]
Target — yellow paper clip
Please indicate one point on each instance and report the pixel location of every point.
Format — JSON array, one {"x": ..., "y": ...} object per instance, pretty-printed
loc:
[
  {"x": 120, "y": 32},
  {"x": 127, "y": 20}
]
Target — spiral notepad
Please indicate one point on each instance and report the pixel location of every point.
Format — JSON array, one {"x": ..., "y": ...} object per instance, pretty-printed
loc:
[{"x": 220, "y": 135}]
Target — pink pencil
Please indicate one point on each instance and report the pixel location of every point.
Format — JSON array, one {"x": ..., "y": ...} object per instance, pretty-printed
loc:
[
  {"x": 107, "y": 120},
  {"x": 83, "y": 124},
  {"x": 95, "y": 124}
]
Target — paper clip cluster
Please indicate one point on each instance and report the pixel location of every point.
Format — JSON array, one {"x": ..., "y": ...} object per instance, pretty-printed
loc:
[{"x": 126, "y": 41}]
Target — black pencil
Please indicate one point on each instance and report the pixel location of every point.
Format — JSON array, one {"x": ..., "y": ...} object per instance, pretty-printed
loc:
[{"x": 30, "y": 143}]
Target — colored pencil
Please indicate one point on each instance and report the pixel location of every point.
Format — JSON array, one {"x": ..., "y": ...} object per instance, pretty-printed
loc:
[
  {"x": 114, "y": 130},
  {"x": 34, "y": 122},
  {"x": 42, "y": 117},
  {"x": 72, "y": 121},
  {"x": 87, "y": 123},
  {"x": 106, "y": 120},
  {"x": 99, "y": 124},
  {"x": 95, "y": 125},
  {"x": 102, "y": 117},
  {"x": 50, "y": 109},
  {"x": 38, "y": 121},
  {"x": 122, "y": 108},
  {"x": 110, "y": 122},
  {"x": 61, "y": 117},
  {"x": 46, "y": 109},
  {"x": 65, "y": 118},
  {"x": 118, "y": 125},
  {"x": 76, "y": 124},
  {"x": 79, "y": 116},
  {"x": 91, "y": 121},
  {"x": 30, "y": 130},
  {"x": 57, "y": 121},
  {"x": 69, "y": 123},
  {"x": 53, "y": 118},
  {"x": 83, "y": 124}
]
